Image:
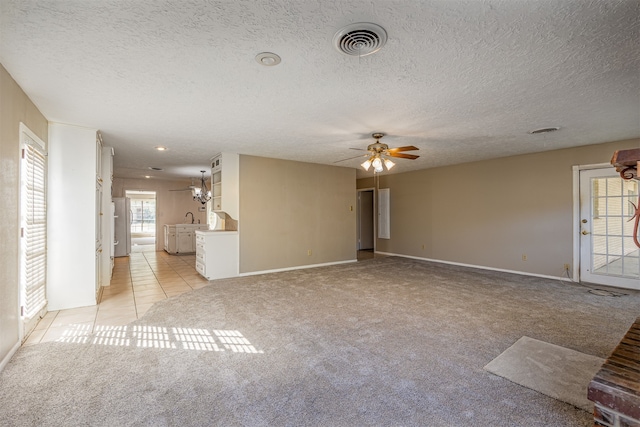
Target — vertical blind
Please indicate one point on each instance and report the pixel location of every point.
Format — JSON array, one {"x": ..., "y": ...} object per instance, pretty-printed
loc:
[{"x": 34, "y": 228}]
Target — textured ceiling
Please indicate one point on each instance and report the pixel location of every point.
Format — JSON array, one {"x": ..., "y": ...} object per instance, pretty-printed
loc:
[{"x": 461, "y": 80}]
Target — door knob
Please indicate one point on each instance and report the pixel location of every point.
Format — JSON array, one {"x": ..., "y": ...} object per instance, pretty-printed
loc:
[{"x": 585, "y": 232}]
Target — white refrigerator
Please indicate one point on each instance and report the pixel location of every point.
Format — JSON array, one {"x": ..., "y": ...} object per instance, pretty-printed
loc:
[{"x": 122, "y": 226}]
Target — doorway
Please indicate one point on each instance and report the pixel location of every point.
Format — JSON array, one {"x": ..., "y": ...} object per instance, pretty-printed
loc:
[
  {"x": 365, "y": 223},
  {"x": 608, "y": 255},
  {"x": 143, "y": 220}
]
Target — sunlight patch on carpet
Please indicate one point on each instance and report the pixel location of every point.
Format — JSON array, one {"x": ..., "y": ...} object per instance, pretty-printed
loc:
[
  {"x": 162, "y": 337},
  {"x": 555, "y": 371}
]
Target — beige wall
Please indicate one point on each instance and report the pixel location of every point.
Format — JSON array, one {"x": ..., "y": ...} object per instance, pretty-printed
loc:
[
  {"x": 288, "y": 208},
  {"x": 171, "y": 206},
  {"x": 15, "y": 107},
  {"x": 490, "y": 213}
]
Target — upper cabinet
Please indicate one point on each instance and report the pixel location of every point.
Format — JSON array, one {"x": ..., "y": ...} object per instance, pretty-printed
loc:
[{"x": 225, "y": 171}]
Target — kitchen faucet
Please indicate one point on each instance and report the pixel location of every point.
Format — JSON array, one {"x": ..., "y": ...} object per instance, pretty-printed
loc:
[{"x": 192, "y": 219}]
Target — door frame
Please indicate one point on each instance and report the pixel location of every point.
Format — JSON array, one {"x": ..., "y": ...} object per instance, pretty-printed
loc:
[
  {"x": 576, "y": 227},
  {"x": 358, "y": 213}
]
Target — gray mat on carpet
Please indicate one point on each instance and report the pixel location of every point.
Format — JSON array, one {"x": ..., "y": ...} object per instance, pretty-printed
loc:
[{"x": 555, "y": 371}]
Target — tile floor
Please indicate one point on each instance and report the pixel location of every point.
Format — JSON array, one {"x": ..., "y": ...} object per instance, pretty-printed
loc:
[{"x": 138, "y": 281}]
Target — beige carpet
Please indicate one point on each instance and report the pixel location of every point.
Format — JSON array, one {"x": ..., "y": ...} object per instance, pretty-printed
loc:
[
  {"x": 382, "y": 342},
  {"x": 555, "y": 371}
]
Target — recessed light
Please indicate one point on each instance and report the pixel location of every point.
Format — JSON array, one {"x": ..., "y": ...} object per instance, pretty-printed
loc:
[
  {"x": 160, "y": 148},
  {"x": 147, "y": 176},
  {"x": 544, "y": 130},
  {"x": 268, "y": 59},
  {"x": 153, "y": 168}
]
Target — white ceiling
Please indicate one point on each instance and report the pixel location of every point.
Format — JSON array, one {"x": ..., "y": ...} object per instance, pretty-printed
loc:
[{"x": 461, "y": 80}]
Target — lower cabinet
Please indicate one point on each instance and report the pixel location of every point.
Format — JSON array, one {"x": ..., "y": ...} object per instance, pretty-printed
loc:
[
  {"x": 181, "y": 238},
  {"x": 217, "y": 254}
]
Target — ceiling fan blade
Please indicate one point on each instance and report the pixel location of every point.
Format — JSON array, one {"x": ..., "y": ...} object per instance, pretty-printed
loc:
[
  {"x": 404, "y": 156},
  {"x": 189, "y": 188},
  {"x": 351, "y": 158},
  {"x": 358, "y": 149},
  {"x": 407, "y": 148}
]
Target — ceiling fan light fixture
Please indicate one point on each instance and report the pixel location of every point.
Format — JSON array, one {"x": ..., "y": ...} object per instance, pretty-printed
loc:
[
  {"x": 377, "y": 165},
  {"x": 389, "y": 164},
  {"x": 366, "y": 165}
]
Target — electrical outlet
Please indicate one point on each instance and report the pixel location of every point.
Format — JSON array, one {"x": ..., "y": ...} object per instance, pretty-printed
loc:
[
  {"x": 524, "y": 257},
  {"x": 309, "y": 252}
]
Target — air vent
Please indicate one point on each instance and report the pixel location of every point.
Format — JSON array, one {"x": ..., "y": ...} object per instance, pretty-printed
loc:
[{"x": 360, "y": 39}]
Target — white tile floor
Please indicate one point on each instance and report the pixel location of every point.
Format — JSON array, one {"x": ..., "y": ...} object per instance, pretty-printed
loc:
[{"x": 138, "y": 281}]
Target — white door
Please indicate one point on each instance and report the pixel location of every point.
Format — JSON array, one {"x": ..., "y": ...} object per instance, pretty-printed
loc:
[
  {"x": 33, "y": 230},
  {"x": 608, "y": 255}
]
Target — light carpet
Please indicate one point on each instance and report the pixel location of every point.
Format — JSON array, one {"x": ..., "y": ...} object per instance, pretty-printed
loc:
[
  {"x": 555, "y": 371},
  {"x": 383, "y": 342}
]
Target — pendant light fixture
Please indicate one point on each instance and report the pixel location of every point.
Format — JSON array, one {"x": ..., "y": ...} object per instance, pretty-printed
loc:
[{"x": 202, "y": 194}]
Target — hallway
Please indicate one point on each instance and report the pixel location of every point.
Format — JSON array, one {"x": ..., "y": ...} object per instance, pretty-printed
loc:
[{"x": 138, "y": 282}]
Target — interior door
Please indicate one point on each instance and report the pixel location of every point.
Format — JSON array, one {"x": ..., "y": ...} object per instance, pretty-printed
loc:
[
  {"x": 608, "y": 255},
  {"x": 365, "y": 220}
]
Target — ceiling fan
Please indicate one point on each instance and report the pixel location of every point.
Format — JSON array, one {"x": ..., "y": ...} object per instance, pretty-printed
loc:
[
  {"x": 379, "y": 152},
  {"x": 200, "y": 194},
  {"x": 189, "y": 188}
]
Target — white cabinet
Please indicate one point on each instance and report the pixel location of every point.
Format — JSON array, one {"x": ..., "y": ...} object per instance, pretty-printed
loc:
[
  {"x": 217, "y": 254},
  {"x": 181, "y": 238},
  {"x": 75, "y": 217},
  {"x": 185, "y": 242},
  {"x": 106, "y": 215},
  {"x": 170, "y": 239},
  {"x": 225, "y": 176}
]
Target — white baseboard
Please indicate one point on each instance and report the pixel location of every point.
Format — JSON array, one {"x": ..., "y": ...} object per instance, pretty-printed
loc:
[
  {"x": 9, "y": 356},
  {"x": 300, "y": 267},
  {"x": 482, "y": 267}
]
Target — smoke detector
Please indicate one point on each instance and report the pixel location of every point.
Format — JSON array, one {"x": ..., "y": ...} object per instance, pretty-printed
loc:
[{"x": 360, "y": 39}]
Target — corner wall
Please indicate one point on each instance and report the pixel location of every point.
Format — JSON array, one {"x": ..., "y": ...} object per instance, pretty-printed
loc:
[
  {"x": 15, "y": 107},
  {"x": 490, "y": 213},
  {"x": 288, "y": 208}
]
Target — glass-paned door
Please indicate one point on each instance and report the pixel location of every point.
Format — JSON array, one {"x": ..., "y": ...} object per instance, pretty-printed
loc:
[
  {"x": 142, "y": 205},
  {"x": 33, "y": 230},
  {"x": 608, "y": 254}
]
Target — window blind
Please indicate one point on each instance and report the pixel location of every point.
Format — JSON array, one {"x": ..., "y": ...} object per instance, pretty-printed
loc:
[{"x": 34, "y": 228}]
